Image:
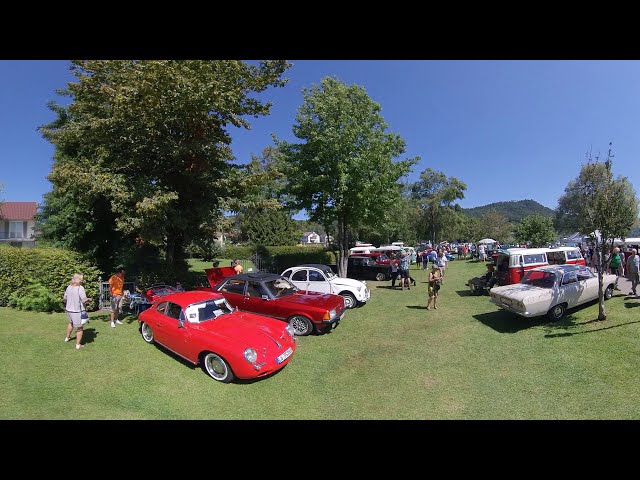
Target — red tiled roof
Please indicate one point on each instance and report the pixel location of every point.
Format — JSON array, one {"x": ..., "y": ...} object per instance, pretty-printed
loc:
[{"x": 18, "y": 210}]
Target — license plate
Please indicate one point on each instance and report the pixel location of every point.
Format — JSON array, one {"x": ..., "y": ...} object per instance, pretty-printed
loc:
[{"x": 287, "y": 353}]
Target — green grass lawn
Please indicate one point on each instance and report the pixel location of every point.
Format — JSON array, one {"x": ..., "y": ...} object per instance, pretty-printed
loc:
[{"x": 390, "y": 359}]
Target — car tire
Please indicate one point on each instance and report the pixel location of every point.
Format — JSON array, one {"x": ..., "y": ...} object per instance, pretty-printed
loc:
[
  {"x": 556, "y": 313},
  {"x": 608, "y": 292},
  {"x": 301, "y": 325},
  {"x": 381, "y": 277},
  {"x": 349, "y": 300},
  {"x": 146, "y": 332},
  {"x": 217, "y": 367}
]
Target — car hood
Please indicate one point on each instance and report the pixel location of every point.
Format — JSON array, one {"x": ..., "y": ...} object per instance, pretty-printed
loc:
[
  {"x": 347, "y": 282},
  {"x": 255, "y": 331},
  {"x": 519, "y": 291},
  {"x": 314, "y": 299}
]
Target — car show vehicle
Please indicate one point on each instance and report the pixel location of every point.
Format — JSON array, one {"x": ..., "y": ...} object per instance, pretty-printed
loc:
[
  {"x": 274, "y": 296},
  {"x": 320, "y": 278},
  {"x": 363, "y": 268},
  {"x": 205, "y": 330},
  {"x": 551, "y": 290}
]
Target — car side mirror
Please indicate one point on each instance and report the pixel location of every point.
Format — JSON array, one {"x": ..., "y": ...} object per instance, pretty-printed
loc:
[{"x": 265, "y": 297}]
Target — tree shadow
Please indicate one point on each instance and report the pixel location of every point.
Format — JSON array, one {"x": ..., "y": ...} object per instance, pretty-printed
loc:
[
  {"x": 388, "y": 287},
  {"x": 503, "y": 321},
  {"x": 631, "y": 305},
  {"x": 576, "y": 325}
]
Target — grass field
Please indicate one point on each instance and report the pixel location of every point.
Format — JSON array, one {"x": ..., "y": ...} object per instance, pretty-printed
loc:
[{"x": 390, "y": 359}]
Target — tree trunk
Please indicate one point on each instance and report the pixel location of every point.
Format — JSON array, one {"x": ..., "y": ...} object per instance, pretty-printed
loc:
[{"x": 343, "y": 247}]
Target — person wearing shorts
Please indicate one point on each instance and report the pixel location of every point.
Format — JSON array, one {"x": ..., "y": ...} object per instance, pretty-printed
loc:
[
  {"x": 435, "y": 280},
  {"x": 116, "y": 288}
]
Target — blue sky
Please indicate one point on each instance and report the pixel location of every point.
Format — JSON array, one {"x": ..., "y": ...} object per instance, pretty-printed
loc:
[{"x": 509, "y": 129}]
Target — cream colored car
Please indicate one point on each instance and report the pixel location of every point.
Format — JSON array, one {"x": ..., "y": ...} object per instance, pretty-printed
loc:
[{"x": 551, "y": 290}]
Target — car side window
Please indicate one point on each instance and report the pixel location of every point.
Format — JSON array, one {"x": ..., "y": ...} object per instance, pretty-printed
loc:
[
  {"x": 316, "y": 276},
  {"x": 234, "y": 286},
  {"x": 299, "y": 276},
  {"x": 162, "y": 308},
  {"x": 255, "y": 289},
  {"x": 287, "y": 274},
  {"x": 173, "y": 311},
  {"x": 569, "y": 277}
]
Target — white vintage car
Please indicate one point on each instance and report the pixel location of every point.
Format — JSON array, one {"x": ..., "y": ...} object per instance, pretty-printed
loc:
[
  {"x": 551, "y": 290},
  {"x": 315, "y": 277}
]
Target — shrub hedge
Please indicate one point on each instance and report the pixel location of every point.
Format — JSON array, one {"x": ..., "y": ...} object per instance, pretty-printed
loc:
[
  {"x": 50, "y": 267},
  {"x": 283, "y": 257}
]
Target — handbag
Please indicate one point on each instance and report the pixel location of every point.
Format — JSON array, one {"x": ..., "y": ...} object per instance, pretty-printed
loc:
[{"x": 84, "y": 316}]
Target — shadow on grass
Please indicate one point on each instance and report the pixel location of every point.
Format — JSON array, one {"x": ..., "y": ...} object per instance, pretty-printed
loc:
[
  {"x": 506, "y": 322},
  {"x": 89, "y": 334},
  {"x": 417, "y": 307},
  {"x": 388, "y": 287},
  {"x": 576, "y": 325},
  {"x": 466, "y": 293}
]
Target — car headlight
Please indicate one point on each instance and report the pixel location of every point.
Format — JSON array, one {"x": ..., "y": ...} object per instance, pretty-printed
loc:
[
  {"x": 250, "y": 355},
  {"x": 332, "y": 313},
  {"x": 289, "y": 329}
]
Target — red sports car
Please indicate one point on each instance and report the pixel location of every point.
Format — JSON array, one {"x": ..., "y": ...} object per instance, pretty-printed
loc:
[
  {"x": 276, "y": 297},
  {"x": 204, "y": 329}
]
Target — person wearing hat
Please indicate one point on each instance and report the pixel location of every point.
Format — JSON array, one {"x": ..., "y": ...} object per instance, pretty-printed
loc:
[{"x": 435, "y": 281}]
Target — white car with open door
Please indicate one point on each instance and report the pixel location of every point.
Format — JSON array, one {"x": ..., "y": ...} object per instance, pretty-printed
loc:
[
  {"x": 315, "y": 277},
  {"x": 551, "y": 290}
]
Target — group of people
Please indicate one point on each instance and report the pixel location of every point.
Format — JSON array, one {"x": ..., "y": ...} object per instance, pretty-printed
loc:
[
  {"x": 620, "y": 263},
  {"x": 75, "y": 299},
  {"x": 399, "y": 269}
]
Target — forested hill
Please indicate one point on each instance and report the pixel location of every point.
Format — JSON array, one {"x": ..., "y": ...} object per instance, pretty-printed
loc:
[{"x": 513, "y": 210}]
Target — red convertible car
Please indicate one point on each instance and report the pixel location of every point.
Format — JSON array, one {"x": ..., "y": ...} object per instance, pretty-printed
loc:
[
  {"x": 204, "y": 329},
  {"x": 276, "y": 297}
]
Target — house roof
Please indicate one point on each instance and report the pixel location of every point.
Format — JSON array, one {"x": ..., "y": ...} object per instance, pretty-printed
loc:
[
  {"x": 18, "y": 210},
  {"x": 306, "y": 234}
]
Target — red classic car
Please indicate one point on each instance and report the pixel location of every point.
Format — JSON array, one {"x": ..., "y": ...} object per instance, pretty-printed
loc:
[
  {"x": 204, "y": 329},
  {"x": 275, "y": 296}
]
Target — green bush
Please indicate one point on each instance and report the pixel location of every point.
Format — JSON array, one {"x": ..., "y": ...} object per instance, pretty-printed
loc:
[
  {"x": 50, "y": 267},
  {"x": 283, "y": 257},
  {"x": 36, "y": 297}
]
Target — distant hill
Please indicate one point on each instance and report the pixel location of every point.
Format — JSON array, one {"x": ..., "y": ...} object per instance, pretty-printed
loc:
[{"x": 513, "y": 210}]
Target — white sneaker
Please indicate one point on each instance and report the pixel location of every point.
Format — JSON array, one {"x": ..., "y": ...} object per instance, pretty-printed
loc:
[
  {"x": 119, "y": 322},
  {"x": 66, "y": 339},
  {"x": 113, "y": 325}
]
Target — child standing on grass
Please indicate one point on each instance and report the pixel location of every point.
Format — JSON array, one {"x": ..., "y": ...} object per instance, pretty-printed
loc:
[{"x": 435, "y": 280}]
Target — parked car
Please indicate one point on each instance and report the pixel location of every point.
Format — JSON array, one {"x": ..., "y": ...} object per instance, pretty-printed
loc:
[
  {"x": 365, "y": 268},
  {"x": 158, "y": 290},
  {"x": 274, "y": 296},
  {"x": 551, "y": 290},
  {"x": 379, "y": 258},
  {"x": 204, "y": 329},
  {"x": 320, "y": 278}
]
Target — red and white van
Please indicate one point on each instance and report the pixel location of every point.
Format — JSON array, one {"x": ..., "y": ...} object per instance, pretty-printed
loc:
[
  {"x": 565, "y": 256},
  {"x": 513, "y": 263}
]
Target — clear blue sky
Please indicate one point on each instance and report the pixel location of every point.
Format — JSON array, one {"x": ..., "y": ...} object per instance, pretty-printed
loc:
[{"x": 509, "y": 129}]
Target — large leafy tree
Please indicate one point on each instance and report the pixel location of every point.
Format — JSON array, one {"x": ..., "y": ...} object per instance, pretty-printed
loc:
[
  {"x": 535, "y": 230},
  {"x": 343, "y": 170},
  {"x": 494, "y": 224},
  {"x": 436, "y": 194},
  {"x": 266, "y": 226},
  {"x": 143, "y": 154},
  {"x": 600, "y": 205}
]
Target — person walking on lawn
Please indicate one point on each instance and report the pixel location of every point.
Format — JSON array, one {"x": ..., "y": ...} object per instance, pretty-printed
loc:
[
  {"x": 633, "y": 266},
  {"x": 116, "y": 288}
]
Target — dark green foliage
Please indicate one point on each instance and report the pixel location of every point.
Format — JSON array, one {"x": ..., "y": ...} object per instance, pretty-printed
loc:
[
  {"x": 282, "y": 257},
  {"x": 36, "y": 297},
  {"x": 265, "y": 226},
  {"x": 50, "y": 267},
  {"x": 207, "y": 249},
  {"x": 513, "y": 210},
  {"x": 535, "y": 230}
]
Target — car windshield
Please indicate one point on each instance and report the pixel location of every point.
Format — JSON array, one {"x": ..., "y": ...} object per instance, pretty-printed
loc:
[
  {"x": 328, "y": 272},
  {"x": 280, "y": 287},
  {"x": 208, "y": 310},
  {"x": 539, "y": 278}
]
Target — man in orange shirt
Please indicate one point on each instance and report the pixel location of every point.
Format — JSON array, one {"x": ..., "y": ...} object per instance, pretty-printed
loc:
[{"x": 116, "y": 288}]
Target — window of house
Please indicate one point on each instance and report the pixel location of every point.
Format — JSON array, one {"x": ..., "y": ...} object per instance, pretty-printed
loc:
[{"x": 15, "y": 229}]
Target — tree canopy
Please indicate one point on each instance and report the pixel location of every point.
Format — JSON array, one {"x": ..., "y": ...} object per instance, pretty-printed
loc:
[
  {"x": 343, "y": 170},
  {"x": 596, "y": 203},
  {"x": 143, "y": 153},
  {"x": 535, "y": 230}
]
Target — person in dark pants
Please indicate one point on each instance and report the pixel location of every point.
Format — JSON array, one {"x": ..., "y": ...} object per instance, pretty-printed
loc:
[{"x": 393, "y": 266}]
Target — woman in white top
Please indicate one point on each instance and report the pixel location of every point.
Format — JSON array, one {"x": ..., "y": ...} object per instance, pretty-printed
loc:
[{"x": 75, "y": 298}]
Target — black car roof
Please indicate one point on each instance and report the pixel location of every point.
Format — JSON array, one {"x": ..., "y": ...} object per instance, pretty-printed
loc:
[{"x": 256, "y": 276}]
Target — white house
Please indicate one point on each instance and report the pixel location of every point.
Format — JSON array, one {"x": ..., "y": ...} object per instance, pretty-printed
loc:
[
  {"x": 17, "y": 223},
  {"x": 310, "y": 237}
]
